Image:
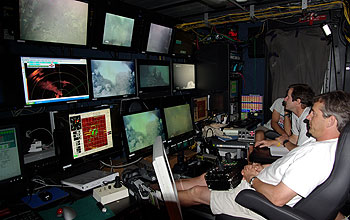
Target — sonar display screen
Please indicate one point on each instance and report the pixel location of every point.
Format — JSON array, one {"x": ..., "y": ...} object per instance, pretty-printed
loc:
[
  {"x": 49, "y": 80},
  {"x": 91, "y": 132}
]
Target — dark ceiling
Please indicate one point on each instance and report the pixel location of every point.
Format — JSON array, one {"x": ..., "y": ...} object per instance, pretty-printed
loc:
[{"x": 194, "y": 10}]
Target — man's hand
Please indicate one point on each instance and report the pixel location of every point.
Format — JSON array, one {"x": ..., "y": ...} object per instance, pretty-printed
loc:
[
  {"x": 266, "y": 143},
  {"x": 249, "y": 171},
  {"x": 282, "y": 138}
]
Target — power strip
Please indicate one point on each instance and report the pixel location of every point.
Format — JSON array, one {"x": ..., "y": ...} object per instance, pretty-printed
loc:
[{"x": 108, "y": 193}]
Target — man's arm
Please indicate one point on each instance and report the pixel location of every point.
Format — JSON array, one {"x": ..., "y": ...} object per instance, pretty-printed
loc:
[
  {"x": 274, "y": 123},
  {"x": 279, "y": 195},
  {"x": 292, "y": 140}
]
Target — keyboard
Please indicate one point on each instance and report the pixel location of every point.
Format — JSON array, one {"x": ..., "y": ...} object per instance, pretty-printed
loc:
[{"x": 24, "y": 215}]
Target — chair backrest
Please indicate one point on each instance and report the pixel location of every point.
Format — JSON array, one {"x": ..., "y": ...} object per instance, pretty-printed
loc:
[{"x": 326, "y": 200}]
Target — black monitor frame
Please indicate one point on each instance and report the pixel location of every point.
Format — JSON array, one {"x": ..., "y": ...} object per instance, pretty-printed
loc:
[{"x": 153, "y": 90}]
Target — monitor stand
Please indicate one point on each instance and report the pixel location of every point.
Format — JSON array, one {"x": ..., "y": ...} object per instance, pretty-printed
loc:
[{"x": 89, "y": 180}]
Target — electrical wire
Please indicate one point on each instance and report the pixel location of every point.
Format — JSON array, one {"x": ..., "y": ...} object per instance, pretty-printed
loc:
[{"x": 121, "y": 166}]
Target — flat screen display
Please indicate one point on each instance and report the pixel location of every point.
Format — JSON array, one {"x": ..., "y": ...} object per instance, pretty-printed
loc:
[
  {"x": 49, "y": 80},
  {"x": 63, "y": 21},
  {"x": 252, "y": 103},
  {"x": 10, "y": 168},
  {"x": 118, "y": 30},
  {"x": 141, "y": 130},
  {"x": 200, "y": 108},
  {"x": 178, "y": 120},
  {"x": 154, "y": 76},
  {"x": 159, "y": 38},
  {"x": 91, "y": 132},
  {"x": 113, "y": 78},
  {"x": 184, "y": 76}
]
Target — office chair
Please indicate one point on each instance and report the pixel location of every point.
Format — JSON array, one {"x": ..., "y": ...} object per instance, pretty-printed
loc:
[{"x": 323, "y": 203}]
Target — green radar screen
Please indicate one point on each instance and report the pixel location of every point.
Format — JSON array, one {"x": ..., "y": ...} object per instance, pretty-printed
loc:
[{"x": 94, "y": 132}]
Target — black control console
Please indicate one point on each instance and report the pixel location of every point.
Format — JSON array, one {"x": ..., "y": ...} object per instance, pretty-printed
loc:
[{"x": 226, "y": 175}]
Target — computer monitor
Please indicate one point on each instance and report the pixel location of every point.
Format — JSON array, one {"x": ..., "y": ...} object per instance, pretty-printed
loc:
[
  {"x": 10, "y": 156},
  {"x": 252, "y": 103},
  {"x": 50, "y": 80},
  {"x": 38, "y": 145},
  {"x": 218, "y": 102},
  {"x": 140, "y": 132},
  {"x": 183, "y": 43},
  {"x": 166, "y": 180},
  {"x": 179, "y": 127},
  {"x": 113, "y": 78},
  {"x": 84, "y": 137},
  {"x": 64, "y": 21},
  {"x": 184, "y": 76},
  {"x": 118, "y": 30},
  {"x": 178, "y": 120},
  {"x": 159, "y": 39},
  {"x": 153, "y": 77},
  {"x": 200, "y": 108},
  {"x": 234, "y": 87}
]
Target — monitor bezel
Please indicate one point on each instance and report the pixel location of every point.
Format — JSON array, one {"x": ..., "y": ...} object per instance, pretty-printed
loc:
[
  {"x": 80, "y": 98},
  {"x": 110, "y": 97},
  {"x": 147, "y": 150},
  {"x": 49, "y": 43},
  {"x": 155, "y": 90}
]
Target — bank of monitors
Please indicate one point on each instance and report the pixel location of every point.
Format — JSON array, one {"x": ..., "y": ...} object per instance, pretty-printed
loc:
[
  {"x": 118, "y": 30},
  {"x": 10, "y": 156},
  {"x": 111, "y": 78},
  {"x": 64, "y": 21},
  {"x": 159, "y": 39},
  {"x": 50, "y": 80},
  {"x": 184, "y": 76},
  {"x": 153, "y": 77},
  {"x": 200, "y": 108},
  {"x": 141, "y": 129}
]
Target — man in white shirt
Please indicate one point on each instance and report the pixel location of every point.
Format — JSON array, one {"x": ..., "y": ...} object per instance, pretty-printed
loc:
[
  {"x": 289, "y": 178},
  {"x": 299, "y": 98}
]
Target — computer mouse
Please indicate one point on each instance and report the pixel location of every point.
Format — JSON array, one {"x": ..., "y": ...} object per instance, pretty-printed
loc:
[
  {"x": 67, "y": 212},
  {"x": 45, "y": 196}
]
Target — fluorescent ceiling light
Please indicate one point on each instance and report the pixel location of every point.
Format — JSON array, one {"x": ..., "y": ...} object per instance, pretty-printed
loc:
[{"x": 327, "y": 31}]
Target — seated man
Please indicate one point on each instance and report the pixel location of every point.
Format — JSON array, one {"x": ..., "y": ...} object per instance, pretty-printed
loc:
[
  {"x": 278, "y": 125},
  {"x": 288, "y": 179},
  {"x": 298, "y": 101}
]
